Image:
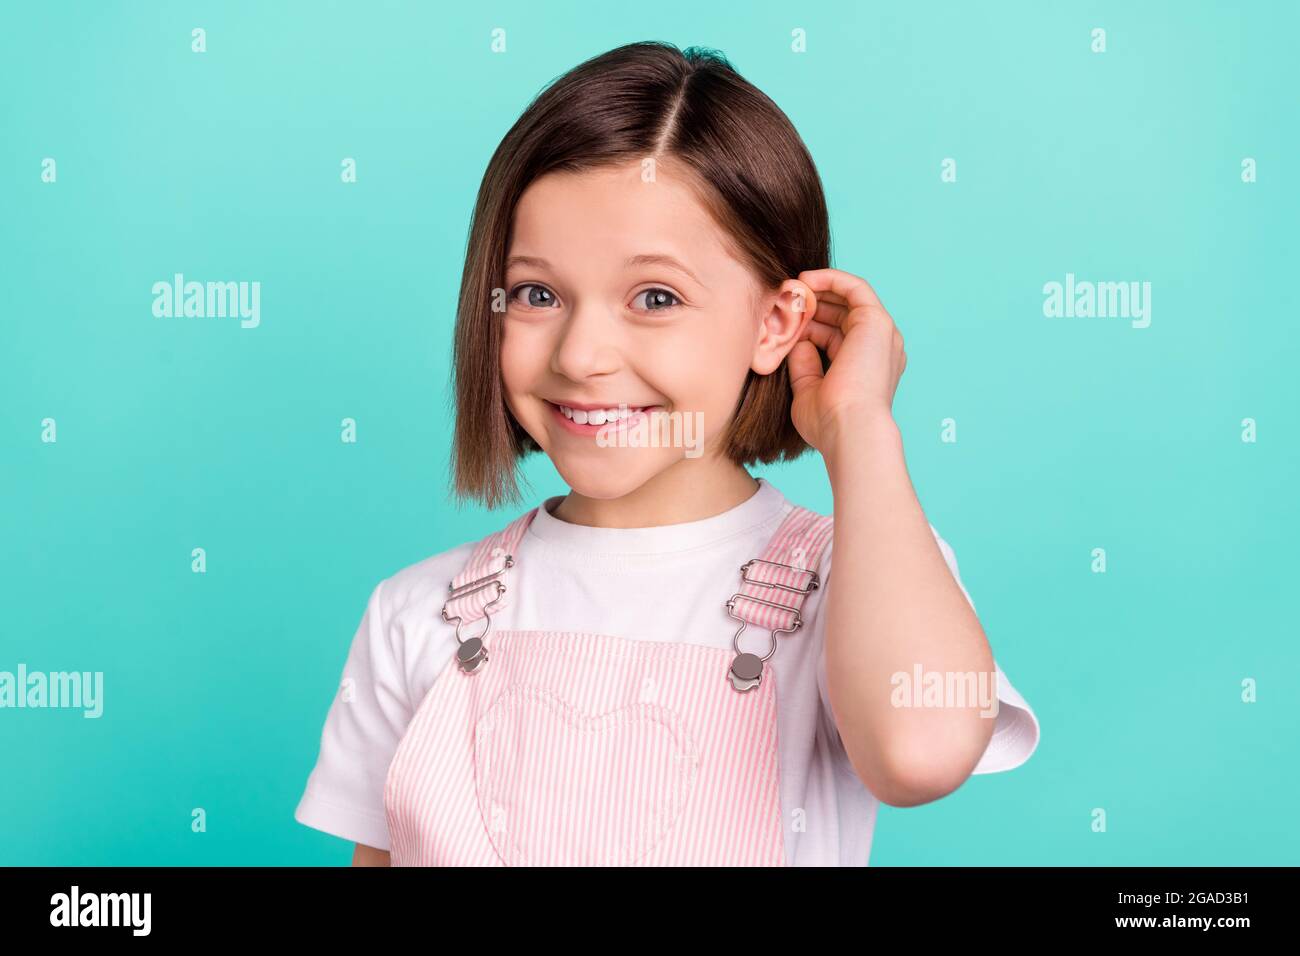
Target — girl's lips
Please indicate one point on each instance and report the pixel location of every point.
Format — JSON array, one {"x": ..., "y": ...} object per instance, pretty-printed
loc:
[{"x": 592, "y": 430}]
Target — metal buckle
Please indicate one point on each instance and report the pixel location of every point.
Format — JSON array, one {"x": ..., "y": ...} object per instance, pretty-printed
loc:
[
  {"x": 731, "y": 612},
  {"x": 814, "y": 582},
  {"x": 472, "y": 653},
  {"x": 746, "y": 674}
]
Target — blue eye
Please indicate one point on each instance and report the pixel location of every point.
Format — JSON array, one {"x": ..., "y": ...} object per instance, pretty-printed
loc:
[
  {"x": 657, "y": 299},
  {"x": 542, "y": 298}
]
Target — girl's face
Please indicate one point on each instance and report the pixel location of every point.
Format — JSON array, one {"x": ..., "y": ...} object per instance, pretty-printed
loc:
[{"x": 620, "y": 292}]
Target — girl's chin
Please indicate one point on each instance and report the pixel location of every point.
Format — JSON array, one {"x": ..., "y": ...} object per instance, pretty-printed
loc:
[{"x": 606, "y": 480}]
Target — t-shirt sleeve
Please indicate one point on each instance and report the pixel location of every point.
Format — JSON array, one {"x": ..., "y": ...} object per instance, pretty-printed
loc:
[
  {"x": 1015, "y": 735},
  {"x": 344, "y": 795}
]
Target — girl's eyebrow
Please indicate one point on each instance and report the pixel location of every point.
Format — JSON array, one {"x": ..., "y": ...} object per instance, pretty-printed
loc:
[
  {"x": 527, "y": 261},
  {"x": 646, "y": 259},
  {"x": 662, "y": 260}
]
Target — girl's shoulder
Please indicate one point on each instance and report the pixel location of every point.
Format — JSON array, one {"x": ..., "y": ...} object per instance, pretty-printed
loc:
[{"x": 426, "y": 581}]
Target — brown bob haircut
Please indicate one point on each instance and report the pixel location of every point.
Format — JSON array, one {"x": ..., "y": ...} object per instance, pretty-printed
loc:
[{"x": 749, "y": 168}]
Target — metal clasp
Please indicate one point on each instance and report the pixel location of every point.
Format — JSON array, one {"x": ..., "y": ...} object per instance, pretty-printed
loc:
[
  {"x": 813, "y": 581},
  {"x": 472, "y": 653},
  {"x": 746, "y": 671}
]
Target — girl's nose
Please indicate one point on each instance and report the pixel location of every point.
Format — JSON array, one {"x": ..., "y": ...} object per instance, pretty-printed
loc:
[{"x": 587, "y": 344}]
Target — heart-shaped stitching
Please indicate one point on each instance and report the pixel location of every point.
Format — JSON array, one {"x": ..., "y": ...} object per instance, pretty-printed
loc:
[{"x": 560, "y": 787}]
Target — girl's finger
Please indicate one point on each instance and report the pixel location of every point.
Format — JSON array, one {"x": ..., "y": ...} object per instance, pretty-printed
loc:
[
  {"x": 805, "y": 366},
  {"x": 825, "y": 337},
  {"x": 830, "y": 296},
  {"x": 854, "y": 290},
  {"x": 830, "y": 313}
]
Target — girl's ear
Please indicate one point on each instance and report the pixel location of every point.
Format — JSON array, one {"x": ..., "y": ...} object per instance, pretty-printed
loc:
[{"x": 784, "y": 323}]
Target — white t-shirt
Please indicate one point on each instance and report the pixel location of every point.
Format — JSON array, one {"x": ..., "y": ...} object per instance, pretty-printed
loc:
[{"x": 657, "y": 584}]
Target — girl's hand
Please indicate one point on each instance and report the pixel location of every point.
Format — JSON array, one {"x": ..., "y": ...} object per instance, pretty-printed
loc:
[{"x": 866, "y": 353}]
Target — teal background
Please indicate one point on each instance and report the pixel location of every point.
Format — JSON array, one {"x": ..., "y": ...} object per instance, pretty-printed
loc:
[{"x": 1073, "y": 433}]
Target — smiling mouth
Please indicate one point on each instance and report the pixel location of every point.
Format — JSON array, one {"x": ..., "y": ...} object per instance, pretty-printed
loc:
[{"x": 591, "y": 420}]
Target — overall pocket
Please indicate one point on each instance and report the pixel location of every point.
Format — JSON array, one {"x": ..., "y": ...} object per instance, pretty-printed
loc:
[{"x": 560, "y": 787}]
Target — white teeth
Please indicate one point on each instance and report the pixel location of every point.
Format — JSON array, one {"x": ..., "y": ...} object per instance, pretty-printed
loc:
[{"x": 596, "y": 416}]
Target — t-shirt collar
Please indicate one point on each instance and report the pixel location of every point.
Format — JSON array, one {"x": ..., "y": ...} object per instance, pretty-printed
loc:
[{"x": 763, "y": 505}]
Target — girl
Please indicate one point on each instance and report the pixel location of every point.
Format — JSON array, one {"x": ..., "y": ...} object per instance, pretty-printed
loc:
[{"x": 660, "y": 668}]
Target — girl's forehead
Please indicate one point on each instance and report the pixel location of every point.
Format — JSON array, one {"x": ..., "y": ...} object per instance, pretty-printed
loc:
[
  {"x": 622, "y": 191},
  {"x": 608, "y": 214}
]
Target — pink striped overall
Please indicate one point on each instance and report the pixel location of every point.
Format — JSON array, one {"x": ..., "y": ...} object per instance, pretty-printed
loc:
[{"x": 577, "y": 749}]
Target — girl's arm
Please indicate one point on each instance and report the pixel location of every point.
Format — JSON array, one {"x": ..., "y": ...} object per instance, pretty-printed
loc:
[
  {"x": 895, "y": 606},
  {"x": 368, "y": 856}
]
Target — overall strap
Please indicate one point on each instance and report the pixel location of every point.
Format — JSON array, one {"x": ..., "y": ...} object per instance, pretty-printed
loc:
[
  {"x": 775, "y": 586},
  {"x": 479, "y": 584}
]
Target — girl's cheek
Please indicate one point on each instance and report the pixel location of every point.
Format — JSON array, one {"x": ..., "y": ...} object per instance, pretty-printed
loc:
[
  {"x": 515, "y": 379},
  {"x": 700, "y": 360},
  {"x": 523, "y": 347}
]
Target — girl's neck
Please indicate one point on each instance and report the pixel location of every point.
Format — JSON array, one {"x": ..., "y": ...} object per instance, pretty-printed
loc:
[{"x": 674, "y": 496}]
